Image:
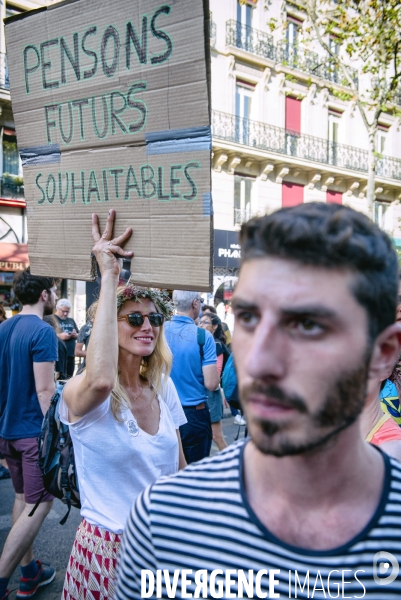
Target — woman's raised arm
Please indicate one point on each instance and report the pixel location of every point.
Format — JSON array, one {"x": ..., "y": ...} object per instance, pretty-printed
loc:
[{"x": 88, "y": 390}]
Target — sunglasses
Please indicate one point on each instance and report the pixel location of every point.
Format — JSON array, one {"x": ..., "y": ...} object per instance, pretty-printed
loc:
[{"x": 137, "y": 319}]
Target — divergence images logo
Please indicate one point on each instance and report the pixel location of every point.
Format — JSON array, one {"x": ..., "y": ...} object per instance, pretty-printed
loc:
[{"x": 382, "y": 562}]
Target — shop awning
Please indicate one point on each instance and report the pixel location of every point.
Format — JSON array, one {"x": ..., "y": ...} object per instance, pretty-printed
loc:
[{"x": 13, "y": 257}]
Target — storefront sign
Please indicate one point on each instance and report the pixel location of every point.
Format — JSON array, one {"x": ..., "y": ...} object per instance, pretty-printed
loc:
[
  {"x": 111, "y": 104},
  {"x": 227, "y": 251},
  {"x": 13, "y": 257}
]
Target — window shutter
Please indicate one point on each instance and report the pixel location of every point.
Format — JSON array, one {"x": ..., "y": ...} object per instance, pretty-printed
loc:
[
  {"x": 292, "y": 114},
  {"x": 292, "y": 194},
  {"x": 334, "y": 197}
]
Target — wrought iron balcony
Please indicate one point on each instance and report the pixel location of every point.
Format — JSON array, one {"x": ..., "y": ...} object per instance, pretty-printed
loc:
[
  {"x": 9, "y": 189},
  {"x": 4, "y": 81},
  {"x": 307, "y": 147},
  {"x": 249, "y": 39},
  {"x": 396, "y": 95},
  {"x": 298, "y": 57},
  {"x": 292, "y": 55}
]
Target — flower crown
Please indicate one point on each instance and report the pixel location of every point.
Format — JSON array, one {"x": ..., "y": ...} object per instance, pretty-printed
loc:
[{"x": 160, "y": 298}]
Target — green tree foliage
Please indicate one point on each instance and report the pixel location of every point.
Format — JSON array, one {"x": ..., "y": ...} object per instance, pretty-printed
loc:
[{"x": 369, "y": 34}]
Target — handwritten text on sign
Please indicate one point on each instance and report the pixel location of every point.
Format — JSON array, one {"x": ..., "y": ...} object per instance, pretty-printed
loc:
[{"x": 79, "y": 57}]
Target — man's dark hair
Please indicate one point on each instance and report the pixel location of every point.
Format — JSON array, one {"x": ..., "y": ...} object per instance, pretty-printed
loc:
[
  {"x": 210, "y": 308},
  {"x": 28, "y": 287},
  {"x": 334, "y": 237}
]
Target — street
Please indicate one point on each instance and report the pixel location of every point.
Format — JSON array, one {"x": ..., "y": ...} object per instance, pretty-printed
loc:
[{"x": 53, "y": 544}]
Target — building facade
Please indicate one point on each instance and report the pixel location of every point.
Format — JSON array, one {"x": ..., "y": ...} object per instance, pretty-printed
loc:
[{"x": 285, "y": 127}]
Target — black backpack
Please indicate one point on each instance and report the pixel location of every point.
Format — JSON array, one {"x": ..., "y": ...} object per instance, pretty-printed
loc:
[{"x": 56, "y": 458}]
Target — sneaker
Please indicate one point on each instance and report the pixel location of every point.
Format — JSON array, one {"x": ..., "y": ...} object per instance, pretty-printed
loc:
[
  {"x": 29, "y": 587},
  {"x": 4, "y": 474},
  {"x": 239, "y": 420}
]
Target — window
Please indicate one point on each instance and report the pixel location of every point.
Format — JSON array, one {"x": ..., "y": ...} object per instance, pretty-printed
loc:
[
  {"x": 382, "y": 215},
  {"x": 243, "y": 188},
  {"x": 243, "y": 105},
  {"x": 292, "y": 34},
  {"x": 381, "y": 138},
  {"x": 332, "y": 73},
  {"x": 334, "y": 122},
  {"x": 292, "y": 124},
  {"x": 10, "y": 153},
  {"x": 244, "y": 14},
  {"x": 244, "y": 27}
]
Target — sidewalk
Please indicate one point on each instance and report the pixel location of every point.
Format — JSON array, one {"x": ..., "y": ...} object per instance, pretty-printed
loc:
[{"x": 54, "y": 542}]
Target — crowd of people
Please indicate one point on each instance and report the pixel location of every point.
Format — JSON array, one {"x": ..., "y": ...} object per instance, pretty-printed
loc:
[{"x": 314, "y": 488}]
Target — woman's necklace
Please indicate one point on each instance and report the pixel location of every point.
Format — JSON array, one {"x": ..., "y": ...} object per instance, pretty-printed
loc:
[
  {"x": 132, "y": 395},
  {"x": 136, "y": 398}
]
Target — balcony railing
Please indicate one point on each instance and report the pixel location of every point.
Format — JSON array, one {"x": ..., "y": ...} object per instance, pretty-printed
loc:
[
  {"x": 241, "y": 215},
  {"x": 307, "y": 147},
  {"x": 297, "y": 57},
  {"x": 4, "y": 81},
  {"x": 10, "y": 190},
  {"x": 293, "y": 55},
  {"x": 249, "y": 39}
]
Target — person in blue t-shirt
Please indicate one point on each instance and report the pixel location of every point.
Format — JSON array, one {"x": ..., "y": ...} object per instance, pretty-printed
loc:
[
  {"x": 194, "y": 371},
  {"x": 28, "y": 349}
]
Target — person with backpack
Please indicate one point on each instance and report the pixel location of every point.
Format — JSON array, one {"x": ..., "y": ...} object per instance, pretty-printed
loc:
[
  {"x": 123, "y": 414},
  {"x": 212, "y": 323},
  {"x": 194, "y": 372},
  {"x": 28, "y": 350}
]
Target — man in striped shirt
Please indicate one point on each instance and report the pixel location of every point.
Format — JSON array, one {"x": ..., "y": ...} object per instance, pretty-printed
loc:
[{"x": 305, "y": 508}]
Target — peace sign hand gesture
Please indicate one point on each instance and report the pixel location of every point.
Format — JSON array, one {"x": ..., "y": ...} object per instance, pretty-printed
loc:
[{"x": 106, "y": 249}]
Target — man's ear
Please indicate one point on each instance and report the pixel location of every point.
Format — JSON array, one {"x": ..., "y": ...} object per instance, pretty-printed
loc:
[
  {"x": 44, "y": 295},
  {"x": 386, "y": 352}
]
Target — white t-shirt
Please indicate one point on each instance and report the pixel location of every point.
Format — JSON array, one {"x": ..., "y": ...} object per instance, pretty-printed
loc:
[{"x": 116, "y": 460}]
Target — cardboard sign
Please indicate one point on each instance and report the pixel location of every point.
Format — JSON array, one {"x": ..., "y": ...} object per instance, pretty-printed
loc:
[{"x": 112, "y": 109}]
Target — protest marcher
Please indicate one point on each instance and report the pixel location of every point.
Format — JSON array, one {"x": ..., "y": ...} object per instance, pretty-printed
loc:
[
  {"x": 230, "y": 318},
  {"x": 390, "y": 393},
  {"x": 305, "y": 495},
  {"x": 212, "y": 323},
  {"x": 377, "y": 426},
  {"x": 207, "y": 308},
  {"x": 84, "y": 337},
  {"x": 238, "y": 418},
  {"x": 60, "y": 367},
  {"x": 194, "y": 372},
  {"x": 28, "y": 349},
  {"x": 123, "y": 413},
  {"x": 69, "y": 332}
]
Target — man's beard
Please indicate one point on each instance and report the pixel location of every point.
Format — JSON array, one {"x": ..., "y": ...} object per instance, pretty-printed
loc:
[
  {"x": 48, "y": 308},
  {"x": 340, "y": 409}
]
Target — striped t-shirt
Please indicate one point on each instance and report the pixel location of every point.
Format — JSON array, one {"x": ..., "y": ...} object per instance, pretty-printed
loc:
[{"x": 200, "y": 520}]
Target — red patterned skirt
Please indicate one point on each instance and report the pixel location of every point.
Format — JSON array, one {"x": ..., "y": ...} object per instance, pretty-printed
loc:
[{"x": 91, "y": 569}]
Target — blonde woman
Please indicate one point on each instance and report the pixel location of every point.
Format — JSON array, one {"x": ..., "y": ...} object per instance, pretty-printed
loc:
[{"x": 124, "y": 414}]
